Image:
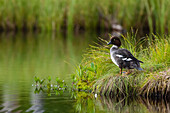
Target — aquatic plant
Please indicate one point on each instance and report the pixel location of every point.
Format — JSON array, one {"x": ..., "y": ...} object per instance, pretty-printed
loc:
[
  {"x": 38, "y": 82},
  {"x": 84, "y": 82},
  {"x": 49, "y": 79},
  {"x": 36, "y": 79},
  {"x": 41, "y": 82},
  {"x": 59, "y": 86}
]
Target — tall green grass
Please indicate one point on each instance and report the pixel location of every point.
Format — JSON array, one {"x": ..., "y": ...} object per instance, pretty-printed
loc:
[
  {"x": 103, "y": 76},
  {"x": 74, "y": 14}
]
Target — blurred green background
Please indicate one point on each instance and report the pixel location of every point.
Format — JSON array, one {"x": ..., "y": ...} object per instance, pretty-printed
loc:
[{"x": 54, "y": 15}]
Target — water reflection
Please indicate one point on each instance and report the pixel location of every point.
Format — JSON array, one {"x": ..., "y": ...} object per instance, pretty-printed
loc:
[
  {"x": 87, "y": 103},
  {"x": 37, "y": 104},
  {"x": 22, "y": 56},
  {"x": 41, "y": 102},
  {"x": 41, "y": 54},
  {"x": 9, "y": 104},
  {"x": 11, "y": 100},
  {"x": 158, "y": 105},
  {"x": 135, "y": 105}
]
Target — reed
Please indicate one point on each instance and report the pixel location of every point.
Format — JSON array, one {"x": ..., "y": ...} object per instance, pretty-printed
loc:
[{"x": 53, "y": 15}]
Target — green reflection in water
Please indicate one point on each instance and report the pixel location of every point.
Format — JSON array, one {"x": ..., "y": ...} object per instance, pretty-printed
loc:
[
  {"x": 87, "y": 103},
  {"x": 22, "y": 56}
]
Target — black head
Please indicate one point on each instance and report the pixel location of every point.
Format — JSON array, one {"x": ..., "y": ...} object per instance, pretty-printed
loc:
[{"x": 115, "y": 41}]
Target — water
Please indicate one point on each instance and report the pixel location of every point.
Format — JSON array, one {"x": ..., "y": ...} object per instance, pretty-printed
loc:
[{"x": 22, "y": 56}]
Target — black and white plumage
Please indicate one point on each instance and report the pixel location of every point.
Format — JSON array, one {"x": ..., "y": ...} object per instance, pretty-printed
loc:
[{"x": 122, "y": 57}]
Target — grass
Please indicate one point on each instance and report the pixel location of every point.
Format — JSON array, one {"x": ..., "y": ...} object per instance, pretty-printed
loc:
[
  {"x": 54, "y": 15},
  {"x": 154, "y": 80},
  {"x": 157, "y": 84}
]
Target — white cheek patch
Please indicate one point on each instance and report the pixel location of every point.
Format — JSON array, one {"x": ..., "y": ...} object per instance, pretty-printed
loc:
[{"x": 119, "y": 56}]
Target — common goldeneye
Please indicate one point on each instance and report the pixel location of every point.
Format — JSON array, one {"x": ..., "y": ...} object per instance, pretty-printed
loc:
[{"x": 122, "y": 57}]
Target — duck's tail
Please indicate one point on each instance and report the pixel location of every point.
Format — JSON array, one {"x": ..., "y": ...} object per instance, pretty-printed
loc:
[
  {"x": 139, "y": 68},
  {"x": 140, "y": 61}
]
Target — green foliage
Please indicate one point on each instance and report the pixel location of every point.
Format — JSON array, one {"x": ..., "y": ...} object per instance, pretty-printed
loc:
[
  {"x": 59, "y": 86},
  {"x": 49, "y": 78},
  {"x": 41, "y": 81},
  {"x": 98, "y": 74},
  {"x": 157, "y": 84},
  {"x": 117, "y": 85},
  {"x": 36, "y": 79},
  {"x": 84, "y": 77},
  {"x": 55, "y": 14},
  {"x": 159, "y": 50}
]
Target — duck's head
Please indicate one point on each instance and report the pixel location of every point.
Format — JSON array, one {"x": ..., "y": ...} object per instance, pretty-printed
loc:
[{"x": 115, "y": 41}]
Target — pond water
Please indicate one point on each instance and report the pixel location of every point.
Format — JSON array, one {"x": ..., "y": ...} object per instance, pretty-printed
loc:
[{"x": 23, "y": 56}]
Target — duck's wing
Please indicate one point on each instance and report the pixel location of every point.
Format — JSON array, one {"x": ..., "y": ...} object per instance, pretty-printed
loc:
[{"x": 126, "y": 55}]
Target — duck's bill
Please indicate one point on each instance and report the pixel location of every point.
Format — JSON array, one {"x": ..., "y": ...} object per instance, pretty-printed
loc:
[{"x": 109, "y": 43}]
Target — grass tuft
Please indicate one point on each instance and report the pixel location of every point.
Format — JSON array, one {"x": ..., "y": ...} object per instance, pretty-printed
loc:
[
  {"x": 116, "y": 85},
  {"x": 104, "y": 78},
  {"x": 157, "y": 84}
]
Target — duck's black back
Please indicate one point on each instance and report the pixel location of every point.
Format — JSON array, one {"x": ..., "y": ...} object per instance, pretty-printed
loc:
[{"x": 126, "y": 60}]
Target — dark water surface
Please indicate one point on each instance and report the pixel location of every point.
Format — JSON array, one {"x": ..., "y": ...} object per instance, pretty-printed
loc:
[{"x": 23, "y": 56}]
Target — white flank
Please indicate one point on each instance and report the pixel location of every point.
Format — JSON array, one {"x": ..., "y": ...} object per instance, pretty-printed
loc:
[
  {"x": 129, "y": 59},
  {"x": 119, "y": 55},
  {"x": 124, "y": 58}
]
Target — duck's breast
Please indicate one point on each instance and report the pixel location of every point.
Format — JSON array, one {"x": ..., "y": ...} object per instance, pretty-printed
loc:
[{"x": 114, "y": 59}]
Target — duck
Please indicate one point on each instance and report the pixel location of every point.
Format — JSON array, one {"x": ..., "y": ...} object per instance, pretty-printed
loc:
[{"x": 122, "y": 57}]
